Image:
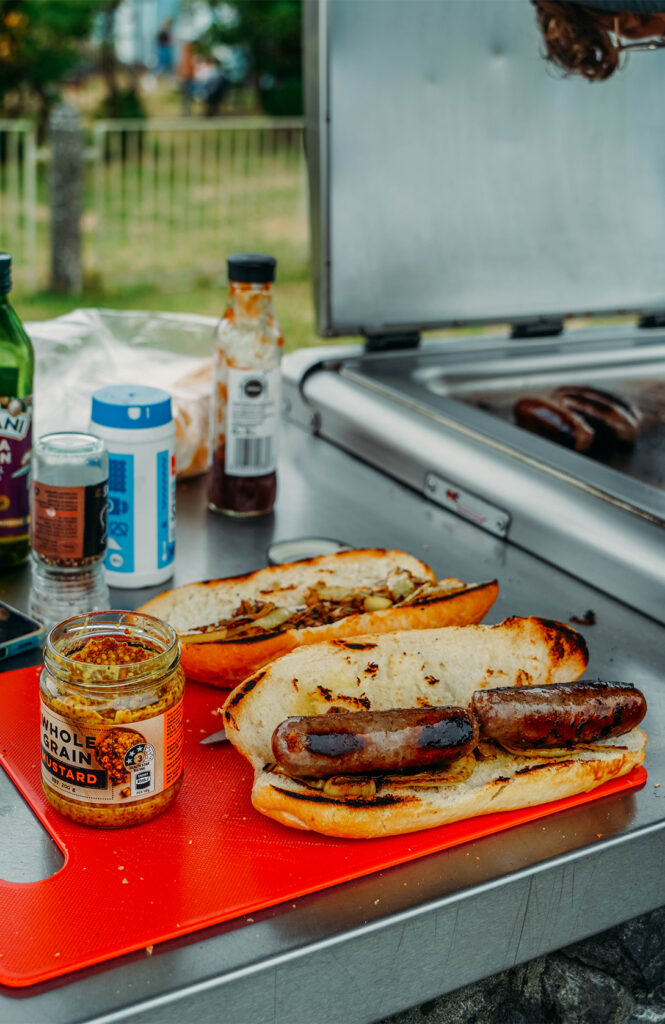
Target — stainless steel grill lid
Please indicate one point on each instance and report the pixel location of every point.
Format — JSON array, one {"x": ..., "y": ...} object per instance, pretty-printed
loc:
[{"x": 457, "y": 178}]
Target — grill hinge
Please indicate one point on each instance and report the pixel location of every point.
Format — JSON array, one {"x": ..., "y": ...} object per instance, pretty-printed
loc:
[
  {"x": 537, "y": 328},
  {"x": 652, "y": 320},
  {"x": 386, "y": 342}
]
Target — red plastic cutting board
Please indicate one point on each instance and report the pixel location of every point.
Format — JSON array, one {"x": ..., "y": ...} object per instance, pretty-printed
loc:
[{"x": 209, "y": 858}]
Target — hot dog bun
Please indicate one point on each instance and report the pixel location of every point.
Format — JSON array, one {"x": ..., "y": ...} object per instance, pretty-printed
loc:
[
  {"x": 417, "y": 669},
  {"x": 501, "y": 782},
  {"x": 208, "y": 657}
]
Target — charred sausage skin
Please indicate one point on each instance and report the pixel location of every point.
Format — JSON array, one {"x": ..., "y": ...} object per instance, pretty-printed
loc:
[
  {"x": 553, "y": 420},
  {"x": 562, "y": 715},
  {"x": 614, "y": 420},
  {"x": 559, "y": 715},
  {"x": 318, "y": 746}
]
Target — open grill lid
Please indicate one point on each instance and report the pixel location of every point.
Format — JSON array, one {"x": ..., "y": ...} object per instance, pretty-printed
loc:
[{"x": 456, "y": 178}]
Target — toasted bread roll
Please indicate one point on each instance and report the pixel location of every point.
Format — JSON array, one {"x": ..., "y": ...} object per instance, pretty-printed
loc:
[
  {"x": 499, "y": 782},
  {"x": 231, "y": 627},
  {"x": 415, "y": 669},
  {"x": 405, "y": 669}
]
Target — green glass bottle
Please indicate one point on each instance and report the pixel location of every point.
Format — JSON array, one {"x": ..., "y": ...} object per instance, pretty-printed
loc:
[{"x": 16, "y": 370}]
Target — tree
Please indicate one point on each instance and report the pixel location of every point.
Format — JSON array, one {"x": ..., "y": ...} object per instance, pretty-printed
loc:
[
  {"x": 41, "y": 41},
  {"x": 270, "y": 32},
  {"x": 118, "y": 101}
]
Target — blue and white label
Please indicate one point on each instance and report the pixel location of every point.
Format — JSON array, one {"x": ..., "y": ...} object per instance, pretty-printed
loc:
[
  {"x": 120, "y": 551},
  {"x": 165, "y": 508}
]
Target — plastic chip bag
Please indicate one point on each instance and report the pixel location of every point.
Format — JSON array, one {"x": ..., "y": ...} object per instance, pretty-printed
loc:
[{"x": 91, "y": 348}]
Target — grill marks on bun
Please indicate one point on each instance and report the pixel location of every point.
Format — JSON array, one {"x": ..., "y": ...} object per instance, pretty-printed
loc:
[
  {"x": 230, "y": 627},
  {"x": 404, "y": 669}
]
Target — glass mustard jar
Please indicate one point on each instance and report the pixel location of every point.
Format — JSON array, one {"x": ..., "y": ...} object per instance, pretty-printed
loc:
[{"x": 112, "y": 718}]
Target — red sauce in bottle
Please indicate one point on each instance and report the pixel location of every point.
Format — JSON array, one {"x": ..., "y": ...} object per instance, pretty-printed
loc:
[
  {"x": 246, "y": 393},
  {"x": 240, "y": 495}
]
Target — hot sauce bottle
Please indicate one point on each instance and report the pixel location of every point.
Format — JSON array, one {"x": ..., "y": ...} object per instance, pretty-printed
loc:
[{"x": 246, "y": 392}]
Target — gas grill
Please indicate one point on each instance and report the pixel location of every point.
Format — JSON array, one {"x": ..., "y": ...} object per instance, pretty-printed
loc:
[{"x": 456, "y": 182}]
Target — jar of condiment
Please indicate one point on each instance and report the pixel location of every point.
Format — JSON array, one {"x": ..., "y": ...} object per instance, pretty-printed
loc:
[
  {"x": 137, "y": 425},
  {"x": 246, "y": 392},
  {"x": 112, "y": 718},
  {"x": 68, "y": 526}
]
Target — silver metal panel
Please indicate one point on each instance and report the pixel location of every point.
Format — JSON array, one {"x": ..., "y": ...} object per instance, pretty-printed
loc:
[
  {"x": 315, "y": 86},
  {"x": 474, "y": 382},
  {"x": 363, "y": 950},
  {"x": 477, "y": 510},
  {"x": 399, "y": 412},
  {"x": 455, "y": 177}
]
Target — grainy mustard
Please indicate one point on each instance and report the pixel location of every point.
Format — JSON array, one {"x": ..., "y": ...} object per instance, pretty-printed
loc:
[{"x": 112, "y": 718}]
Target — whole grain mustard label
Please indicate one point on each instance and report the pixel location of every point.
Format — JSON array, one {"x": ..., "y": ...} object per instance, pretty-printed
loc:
[{"x": 112, "y": 763}]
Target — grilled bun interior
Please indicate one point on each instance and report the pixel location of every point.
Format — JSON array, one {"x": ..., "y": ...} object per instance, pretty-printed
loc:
[
  {"x": 418, "y": 669},
  {"x": 499, "y": 781},
  {"x": 230, "y": 627}
]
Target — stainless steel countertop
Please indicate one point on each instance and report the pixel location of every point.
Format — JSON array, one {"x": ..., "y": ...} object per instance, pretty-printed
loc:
[{"x": 368, "y": 948}]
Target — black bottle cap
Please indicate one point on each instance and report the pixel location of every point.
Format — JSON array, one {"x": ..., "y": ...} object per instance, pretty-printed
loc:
[
  {"x": 5, "y": 273},
  {"x": 251, "y": 267}
]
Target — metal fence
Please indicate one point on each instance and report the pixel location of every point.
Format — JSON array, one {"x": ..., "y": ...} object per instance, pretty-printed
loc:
[
  {"x": 18, "y": 198},
  {"x": 162, "y": 197},
  {"x": 176, "y": 196}
]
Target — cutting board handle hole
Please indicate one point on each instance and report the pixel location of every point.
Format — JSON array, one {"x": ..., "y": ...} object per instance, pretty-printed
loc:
[{"x": 27, "y": 851}]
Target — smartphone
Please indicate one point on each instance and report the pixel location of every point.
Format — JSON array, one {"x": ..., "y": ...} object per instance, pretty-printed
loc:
[{"x": 18, "y": 632}]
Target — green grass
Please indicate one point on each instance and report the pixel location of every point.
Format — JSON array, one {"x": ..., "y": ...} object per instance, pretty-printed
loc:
[
  {"x": 293, "y": 305},
  {"x": 163, "y": 212},
  {"x": 165, "y": 209},
  {"x": 172, "y": 205}
]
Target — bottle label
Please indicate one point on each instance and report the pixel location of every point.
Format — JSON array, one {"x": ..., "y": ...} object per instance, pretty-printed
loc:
[
  {"x": 15, "y": 447},
  {"x": 69, "y": 523},
  {"x": 120, "y": 550},
  {"x": 165, "y": 508},
  {"x": 252, "y": 418},
  {"x": 112, "y": 763}
]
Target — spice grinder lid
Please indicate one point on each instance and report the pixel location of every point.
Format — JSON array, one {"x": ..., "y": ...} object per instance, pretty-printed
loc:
[{"x": 129, "y": 407}]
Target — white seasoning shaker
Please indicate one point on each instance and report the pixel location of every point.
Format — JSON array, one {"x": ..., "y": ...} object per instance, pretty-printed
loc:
[{"x": 137, "y": 425}]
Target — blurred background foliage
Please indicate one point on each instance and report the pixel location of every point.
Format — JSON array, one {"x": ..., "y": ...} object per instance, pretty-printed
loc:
[
  {"x": 42, "y": 43},
  {"x": 103, "y": 57},
  {"x": 270, "y": 31},
  {"x": 49, "y": 45}
]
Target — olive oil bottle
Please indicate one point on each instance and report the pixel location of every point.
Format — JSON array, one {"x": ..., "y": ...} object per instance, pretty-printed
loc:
[{"x": 16, "y": 372}]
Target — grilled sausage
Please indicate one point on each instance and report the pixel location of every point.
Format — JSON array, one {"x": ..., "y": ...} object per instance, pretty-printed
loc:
[
  {"x": 559, "y": 715},
  {"x": 614, "y": 420},
  {"x": 317, "y": 746},
  {"x": 553, "y": 420}
]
